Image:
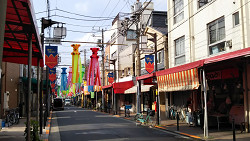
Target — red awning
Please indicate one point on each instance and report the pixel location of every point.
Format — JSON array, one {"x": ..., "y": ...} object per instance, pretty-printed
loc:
[
  {"x": 181, "y": 68},
  {"x": 20, "y": 20},
  {"x": 107, "y": 86},
  {"x": 145, "y": 76},
  {"x": 230, "y": 55},
  {"x": 119, "y": 88}
]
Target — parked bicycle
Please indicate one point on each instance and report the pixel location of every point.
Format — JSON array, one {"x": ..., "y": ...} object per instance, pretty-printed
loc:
[
  {"x": 127, "y": 110},
  {"x": 173, "y": 112},
  {"x": 147, "y": 120},
  {"x": 12, "y": 117},
  {"x": 182, "y": 113}
]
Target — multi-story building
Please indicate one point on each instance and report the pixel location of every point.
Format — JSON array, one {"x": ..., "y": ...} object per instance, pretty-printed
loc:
[{"x": 210, "y": 37}]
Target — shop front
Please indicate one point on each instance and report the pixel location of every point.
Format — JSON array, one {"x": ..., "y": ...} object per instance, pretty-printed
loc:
[
  {"x": 227, "y": 82},
  {"x": 180, "y": 86}
]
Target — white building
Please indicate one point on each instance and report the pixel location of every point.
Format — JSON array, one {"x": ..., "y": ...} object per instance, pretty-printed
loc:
[
  {"x": 216, "y": 32},
  {"x": 203, "y": 28}
]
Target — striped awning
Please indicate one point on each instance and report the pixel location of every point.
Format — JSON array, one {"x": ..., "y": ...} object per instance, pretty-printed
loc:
[
  {"x": 179, "y": 81},
  {"x": 144, "y": 88}
]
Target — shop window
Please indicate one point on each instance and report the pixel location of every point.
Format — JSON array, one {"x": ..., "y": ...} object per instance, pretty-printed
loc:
[
  {"x": 178, "y": 11},
  {"x": 180, "y": 50},
  {"x": 203, "y": 2},
  {"x": 236, "y": 19},
  {"x": 216, "y": 33}
]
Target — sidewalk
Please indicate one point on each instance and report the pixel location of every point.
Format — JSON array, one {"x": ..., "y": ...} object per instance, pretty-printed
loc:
[
  {"x": 196, "y": 133},
  {"x": 16, "y": 131}
]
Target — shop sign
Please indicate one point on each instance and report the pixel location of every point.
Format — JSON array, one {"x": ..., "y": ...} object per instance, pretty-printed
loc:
[{"x": 213, "y": 75}]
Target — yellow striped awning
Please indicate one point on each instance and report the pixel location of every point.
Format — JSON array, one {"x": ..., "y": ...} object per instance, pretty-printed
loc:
[{"x": 178, "y": 81}]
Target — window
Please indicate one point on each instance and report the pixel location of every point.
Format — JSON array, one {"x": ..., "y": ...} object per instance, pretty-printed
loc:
[
  {"x": 216, "y": 31},
  {"x": 143, "y": 63},
  {"x": 236, "y": 19},
  {"x": 129, "y": 71},
  {"x": 122, "y": 72},
  {"x": 180, "y": 50},
  {"x": 178, "y": 11},
  {"x": 203, "y": 2},
  {"x": 131, "y": 35},
  {"x": 159, "y": 57}
]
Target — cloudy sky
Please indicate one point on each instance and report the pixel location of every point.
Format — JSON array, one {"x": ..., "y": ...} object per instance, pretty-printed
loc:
[{"x": 84, "y": 19}]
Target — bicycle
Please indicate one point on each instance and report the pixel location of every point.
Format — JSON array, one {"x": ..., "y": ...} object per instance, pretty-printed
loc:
[
  {"x": 16, "y": 115},
  {"x": 147, "y": 120},
  {"x": 173, "y": 111},
  {"x": 183, "y": 112},
  {"x": 138, "y": 116}
]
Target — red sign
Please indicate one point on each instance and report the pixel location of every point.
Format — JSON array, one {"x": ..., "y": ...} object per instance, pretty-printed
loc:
[{"x": 213, "y": 75}]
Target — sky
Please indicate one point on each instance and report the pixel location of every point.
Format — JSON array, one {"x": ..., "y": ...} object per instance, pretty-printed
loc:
[{"x": 84, "y": 20}]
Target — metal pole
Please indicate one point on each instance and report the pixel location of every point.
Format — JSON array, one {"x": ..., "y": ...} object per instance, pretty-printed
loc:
[
  {"x": 3, "y": 8},
  {"x": 155, "y": 41},
  {"x": 246, "y": 97},
  {"x": 38, "y": 87},
  {"x": 233, "y": 126},
  {"x": 177, "y": 120},
  {"x": 138, "y": 108},
  {"x": 29, "y": 84},
  {"x": 46, "y": 97},
  {"x": 157, "y": 107},
  {"x": 103, "y": 79},
  {"x": 205, "y": 106},
  {"x": 41, "y": 104}
]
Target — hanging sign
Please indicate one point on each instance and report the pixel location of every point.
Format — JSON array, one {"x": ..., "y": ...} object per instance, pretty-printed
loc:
[
  {"x": 51, "y": 56},
  {"x": 52, "y": 74},
  {"x": 111, "y": 77},
  {"x": 92, "y": 94},
  {"x": 149, "y": 63}
]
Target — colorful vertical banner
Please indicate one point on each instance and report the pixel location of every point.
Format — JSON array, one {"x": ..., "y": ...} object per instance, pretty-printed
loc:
[
  {"x": 92, "y": 94},
  {"x": 51, "y": 56},
  {"x": 111, "y": 77},
  {"x": 52, "y": 74},
  {"x": 149, "y": 63},
  {"x": 63, "y": 80}
]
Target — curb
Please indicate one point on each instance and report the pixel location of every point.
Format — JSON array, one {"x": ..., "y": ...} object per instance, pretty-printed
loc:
[
  {"x": 180, "y": 133},
  {"x": 47, "y": 128},
  {"x": 160, "y": 127}
]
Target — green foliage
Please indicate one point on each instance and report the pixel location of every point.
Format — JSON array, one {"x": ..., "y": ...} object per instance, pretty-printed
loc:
[{"x": 34, "y": 129}]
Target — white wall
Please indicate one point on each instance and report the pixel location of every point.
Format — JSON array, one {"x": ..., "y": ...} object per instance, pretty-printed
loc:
[{"x": 195, "y": 27}]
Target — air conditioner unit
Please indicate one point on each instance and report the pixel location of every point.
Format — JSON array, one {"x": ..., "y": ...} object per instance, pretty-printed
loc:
[{"x": 229, "y": 43}]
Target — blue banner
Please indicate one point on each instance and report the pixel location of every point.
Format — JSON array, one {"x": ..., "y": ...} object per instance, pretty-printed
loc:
[
  {"x": 149, "y": 63},
  {"x": 51, "y": 56}
]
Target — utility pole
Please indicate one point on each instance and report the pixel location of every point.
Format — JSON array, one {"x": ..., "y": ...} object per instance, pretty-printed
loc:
[
  {"x": 103, "y": 79},
  {"x": 154, "y": 40}
]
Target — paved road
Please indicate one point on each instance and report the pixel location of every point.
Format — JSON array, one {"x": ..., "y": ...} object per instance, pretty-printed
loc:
[{"x": 76, "y": 124}]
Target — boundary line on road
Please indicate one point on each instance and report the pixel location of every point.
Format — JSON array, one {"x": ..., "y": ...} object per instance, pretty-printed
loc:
[
  {"x": 47, "y": 128},
  {"x": 160, "y": 127}
]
